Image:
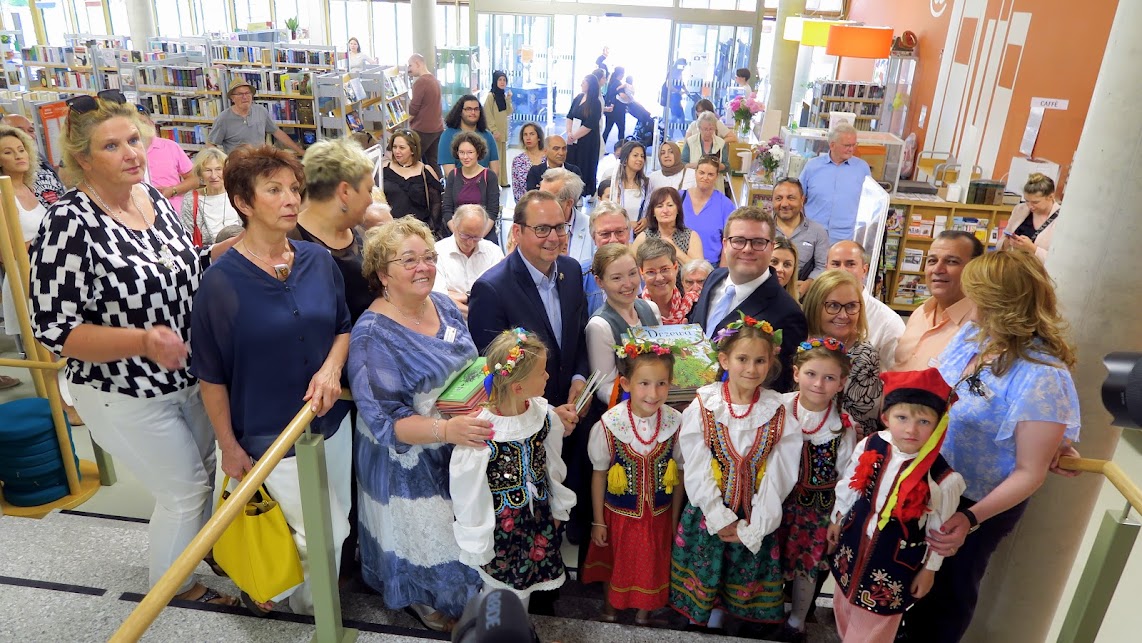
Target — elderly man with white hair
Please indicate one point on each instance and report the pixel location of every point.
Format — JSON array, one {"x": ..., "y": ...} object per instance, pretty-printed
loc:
[
  {"x": 833, "y": 183},
  {"x": 465, "y": 255},
  {"x": 609, "y": 224},
  {"x": 567, "y": 188}
]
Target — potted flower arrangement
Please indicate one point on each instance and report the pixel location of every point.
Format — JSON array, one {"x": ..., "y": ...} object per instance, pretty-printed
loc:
[
  {"x": 769, "y": 155},
  {"x": 743, "y": 109}
]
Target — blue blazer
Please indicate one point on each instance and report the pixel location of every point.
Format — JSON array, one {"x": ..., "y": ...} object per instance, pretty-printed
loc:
[
  {"x": 505, "y": 297},
  {"x": 770, "y": 303}
]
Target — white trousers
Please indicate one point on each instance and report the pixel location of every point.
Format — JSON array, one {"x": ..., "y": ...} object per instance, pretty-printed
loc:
[
  {"x": 284, "y": 486},
  {"x": 167, "y": 443}
]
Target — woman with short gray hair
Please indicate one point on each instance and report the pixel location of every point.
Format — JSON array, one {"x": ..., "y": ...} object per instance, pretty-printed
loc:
[
  {"x": 707, "y": 143},
  {"x": 208, "y": 209}
]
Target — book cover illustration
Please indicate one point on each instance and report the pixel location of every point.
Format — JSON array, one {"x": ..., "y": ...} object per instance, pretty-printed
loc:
[{"x": 696, "y": 368}]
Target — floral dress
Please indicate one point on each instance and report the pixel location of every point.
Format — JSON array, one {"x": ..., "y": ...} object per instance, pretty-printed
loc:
[
  {"x": 507, "y": 498},
  {"x": 521, "y": 164},
  {"x": 829, "y": 439},
  {"x": 863, "y": 389},
  {"x": 739, "y": 464}
]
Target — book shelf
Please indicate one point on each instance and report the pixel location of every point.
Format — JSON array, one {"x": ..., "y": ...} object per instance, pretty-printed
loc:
[
  {"x": 183, "y": 96},
  {"x": 11, "y": 61},
  {"x": 63, "y": 69},
  {"x": 866, "y": 100}
]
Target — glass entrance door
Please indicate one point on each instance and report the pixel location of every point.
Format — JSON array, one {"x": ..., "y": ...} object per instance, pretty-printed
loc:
[
  {"x": 520, "y": 46},
  {"x": 703, "y": 63}
]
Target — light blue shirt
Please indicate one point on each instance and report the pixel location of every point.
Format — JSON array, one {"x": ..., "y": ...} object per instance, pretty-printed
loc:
[
  {"x": 980, "y": 443},
  {"x": 832, "y": 193},
  {"x": 595, "y": 295},
  {"x": 549, "y": 295},
  {"x": 444, "y": 148},
  {"x": 580, "y": 245}
]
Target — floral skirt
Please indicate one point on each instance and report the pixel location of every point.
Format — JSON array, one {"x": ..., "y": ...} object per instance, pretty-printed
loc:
[
  {"x": 706, "y": 573},
  {"x": 527, "y": 545},
  {"x": 636, "y": 560},
  {"x": 803, "y": 533}
]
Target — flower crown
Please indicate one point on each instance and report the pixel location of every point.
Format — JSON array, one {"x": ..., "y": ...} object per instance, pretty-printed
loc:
[
  {"x": 732, "y": 329},
  {"x": 515, "y": 353},
  {"x": 632, "y": 348},
  {"x": 828, "y": 343}
]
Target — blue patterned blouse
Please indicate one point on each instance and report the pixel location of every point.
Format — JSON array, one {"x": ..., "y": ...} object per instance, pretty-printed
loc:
[{"x": 981, "y": 428}]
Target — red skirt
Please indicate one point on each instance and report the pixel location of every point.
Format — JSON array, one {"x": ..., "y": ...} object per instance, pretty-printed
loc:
[{"x": 636, "y": 560}]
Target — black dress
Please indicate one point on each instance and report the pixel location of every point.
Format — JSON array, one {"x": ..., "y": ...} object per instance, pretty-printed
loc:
[
  {"x": 412, "y": 196},
  {"x": 616, "y": 117},
  {"x": 585, "y": 151}
]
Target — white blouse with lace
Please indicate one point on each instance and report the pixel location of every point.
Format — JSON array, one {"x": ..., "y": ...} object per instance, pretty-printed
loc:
[
  {"x": 781, "y": 470},
  {"x": 618, "y": 424},
  {"x": 472, "y": 499},
  {"x": 808, "y": 420}
]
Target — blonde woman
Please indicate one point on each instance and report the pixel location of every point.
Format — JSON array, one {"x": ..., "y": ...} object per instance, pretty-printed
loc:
[
  {"x": 1016, "y": 405},
  {"x": 834, "y": 308},
  {"x": 207, "y": 210},
  {"x": 1032, "y": 223}
]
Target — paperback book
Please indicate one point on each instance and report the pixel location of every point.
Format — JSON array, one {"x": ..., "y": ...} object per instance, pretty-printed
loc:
[
  {"x": 696, "y": 368},
  {"x": 465, "y": 393}
]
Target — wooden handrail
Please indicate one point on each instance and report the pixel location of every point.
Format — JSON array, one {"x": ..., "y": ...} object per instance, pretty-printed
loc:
[
  {"x": 1112, "y": 472},
  {"x": 148, "y": 609}
]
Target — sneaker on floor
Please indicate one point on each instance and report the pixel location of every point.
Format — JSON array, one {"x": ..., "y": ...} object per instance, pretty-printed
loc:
[{"x": 7, "y": 382}]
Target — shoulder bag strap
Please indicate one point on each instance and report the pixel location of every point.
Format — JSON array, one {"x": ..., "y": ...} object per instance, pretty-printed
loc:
[
  {"x": 197, "y": 234},
  {"x": 1040, "y": 229}
]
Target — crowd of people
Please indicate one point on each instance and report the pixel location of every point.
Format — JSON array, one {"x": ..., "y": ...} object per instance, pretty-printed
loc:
[{"x": 820, "y": 446}]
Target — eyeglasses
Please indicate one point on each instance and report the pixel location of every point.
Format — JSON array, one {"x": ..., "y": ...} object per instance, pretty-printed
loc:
[
  {"x": 468, "y": 237},
  {"x": 411, "y": 262},
  {"x": 833, "y": 307},
  {"x": 621, "y": 233},
  {"x": 739, "y": 243},
  {"x": 85, "y": 103},
  {"x": 471, "y": 109},
  {"x": 544, "y": 231},
  {"x": 652, "y": 275}
]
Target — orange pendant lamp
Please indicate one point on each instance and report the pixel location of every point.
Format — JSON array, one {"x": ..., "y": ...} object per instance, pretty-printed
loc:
[{"x": 858, "y": 41}]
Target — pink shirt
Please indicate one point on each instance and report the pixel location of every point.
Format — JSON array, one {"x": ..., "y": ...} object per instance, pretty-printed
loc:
[
  {"x": 928, "y": 334},
  {"x": 166, "y": 163}
]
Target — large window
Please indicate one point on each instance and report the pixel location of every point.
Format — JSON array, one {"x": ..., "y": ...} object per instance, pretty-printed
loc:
[
  {"x": 251, "y": 11},
  {"x": 89, "y": 17},
  {"x": 213, "y": 17},
  {"x": 173, "y": 19},
  {"x": 18, "y": 17},
  {"x": 300, "y": 9}
]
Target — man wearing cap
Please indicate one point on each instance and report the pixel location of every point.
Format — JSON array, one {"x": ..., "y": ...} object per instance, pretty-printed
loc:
[{"x": 246, "y": 123}]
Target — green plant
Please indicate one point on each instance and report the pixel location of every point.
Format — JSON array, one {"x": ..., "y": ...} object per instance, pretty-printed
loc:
[{"x": 292, "y": 24}]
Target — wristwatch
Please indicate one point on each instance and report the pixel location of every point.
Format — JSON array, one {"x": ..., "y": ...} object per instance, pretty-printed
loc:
[{"x": 972, "y": 520}]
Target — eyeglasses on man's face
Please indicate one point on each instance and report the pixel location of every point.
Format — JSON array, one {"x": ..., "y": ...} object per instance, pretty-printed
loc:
[
  {"x": 410, "y": 262},
  {"x": 739, "y": 243},
  {"x": 543, "y": 231}
]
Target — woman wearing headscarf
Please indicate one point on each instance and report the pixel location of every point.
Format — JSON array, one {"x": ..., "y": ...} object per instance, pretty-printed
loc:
[
  {"x": 497, "y": 109},
  {"x": 672, "y": 172}
]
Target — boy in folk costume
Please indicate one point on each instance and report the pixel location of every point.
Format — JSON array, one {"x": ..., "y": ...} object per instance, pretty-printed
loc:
[{"x": 896, "y": 490}]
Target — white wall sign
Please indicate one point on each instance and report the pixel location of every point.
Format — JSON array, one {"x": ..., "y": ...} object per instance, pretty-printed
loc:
[{"x": 1050, "y": 103}]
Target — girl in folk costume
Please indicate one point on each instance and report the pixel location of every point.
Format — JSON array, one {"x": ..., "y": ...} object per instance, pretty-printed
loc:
[
  {"x": 820, "y": 369},
  {"x": 637, "y": 487},
  {"x": 740, "y": 463},
  {"x": 509, "y": 496},
  {"x": 896, "y": 490}
]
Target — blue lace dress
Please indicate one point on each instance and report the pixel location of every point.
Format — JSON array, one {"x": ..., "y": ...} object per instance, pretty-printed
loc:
[{"x": 408, "y": 551}]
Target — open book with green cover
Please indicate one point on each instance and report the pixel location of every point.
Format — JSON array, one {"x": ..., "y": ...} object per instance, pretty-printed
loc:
[{"x": 697, "y": 368}]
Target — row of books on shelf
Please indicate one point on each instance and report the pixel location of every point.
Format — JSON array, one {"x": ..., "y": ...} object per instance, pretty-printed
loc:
[
  {"x": 180, "y": 77},
  {"x": 260, "y": 54},
  {"x": 395, "y": 86},
  {"x": 926, "y": 227},
  {"x": 76, "y": 56},
  {"x": 169, "y": 105},
  {"x": 136, "y": 56},
  {"x": 860, "y": 109},
  {"x": 276, "y": 80},
  {"x": 287, "y": 56},
  {"x": 289, "y": 110},
  {"x": 843, "y": 89},
  {"x": 63, "y": 79},
  {"x": 395, "y": 112},
  {"x": 187, "y": 135}
]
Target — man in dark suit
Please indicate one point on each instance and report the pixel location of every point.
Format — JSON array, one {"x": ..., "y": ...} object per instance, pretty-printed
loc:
[
  {"x": 747, "y": 284},
  {"x": 556, "y": 152},
  {"x": 541, "y": 291}
]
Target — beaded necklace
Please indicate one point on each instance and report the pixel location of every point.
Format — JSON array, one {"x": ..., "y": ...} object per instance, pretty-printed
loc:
[
  {"x": 828, "y": 410},
  {"x": 634, "y": 427},
  {"x": 730, "y": 404}
]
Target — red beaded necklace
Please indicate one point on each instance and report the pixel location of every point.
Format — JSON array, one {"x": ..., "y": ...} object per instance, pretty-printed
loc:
[
  {"x": 730, "y": 404},
  {"x": 825, "y": 418},
  {"x": 634, "y": 428}
]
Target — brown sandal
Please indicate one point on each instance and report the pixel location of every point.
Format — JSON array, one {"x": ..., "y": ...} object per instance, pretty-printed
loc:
[
  {"x": 210, "y": 596},
  {"x": 436, "y": 621}
]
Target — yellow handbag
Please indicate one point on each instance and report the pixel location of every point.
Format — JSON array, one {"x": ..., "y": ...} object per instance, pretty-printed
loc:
[{"x": 257, "y": 550}]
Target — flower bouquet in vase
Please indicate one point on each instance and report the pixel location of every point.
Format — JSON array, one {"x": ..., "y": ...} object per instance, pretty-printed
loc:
[
  {"x": 769, "y": 155},
  {"x": 743, "y": 109}
]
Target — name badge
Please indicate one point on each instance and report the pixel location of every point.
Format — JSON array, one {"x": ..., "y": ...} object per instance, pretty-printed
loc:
[{"x": 450, "y": 334}]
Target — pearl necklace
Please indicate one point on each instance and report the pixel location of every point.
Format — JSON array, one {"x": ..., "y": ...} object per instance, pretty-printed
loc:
[
  {"x": 634, "y": 427},
  {"x": 730, "y": 404},
  {"x": 165, "y": 257},
  {"x": 828, "y": 410}
]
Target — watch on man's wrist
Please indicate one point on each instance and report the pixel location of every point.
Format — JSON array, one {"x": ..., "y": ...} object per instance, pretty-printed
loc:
[{"x": 972, "y": 520}]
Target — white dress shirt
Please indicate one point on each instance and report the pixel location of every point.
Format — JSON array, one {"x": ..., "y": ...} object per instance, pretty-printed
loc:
[
  {"x": 885, "y": 326},
  {"x": 741, "y": 293},
  {"x": 457, "y": 272}
]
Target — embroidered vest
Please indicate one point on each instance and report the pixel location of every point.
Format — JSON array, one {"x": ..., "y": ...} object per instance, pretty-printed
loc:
[
  {"x": 876, "y": 574},
  {"x": 741, "y": 473},
  {"x": 815, "y": 487},
  {"x": 644, "y": 474},
  {"x": 517, "y": 471}
]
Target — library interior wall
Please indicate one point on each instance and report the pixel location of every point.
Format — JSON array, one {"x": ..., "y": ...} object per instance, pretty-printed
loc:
[{"x": 1059, "y": 58}]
